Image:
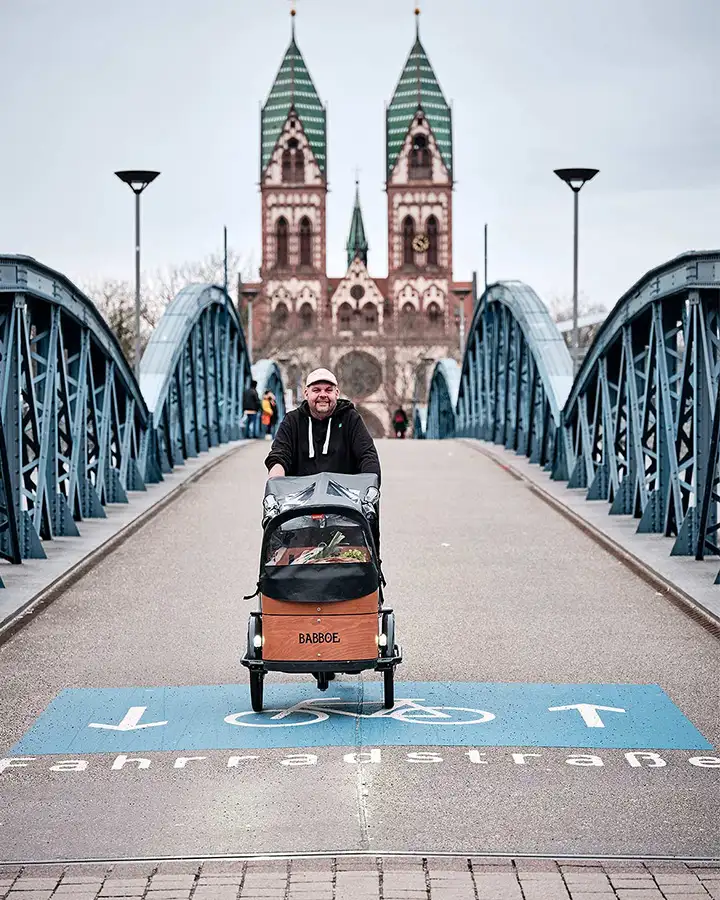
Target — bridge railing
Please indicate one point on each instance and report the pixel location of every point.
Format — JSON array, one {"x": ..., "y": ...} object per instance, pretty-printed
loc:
[
  {"x": 639, "y": 427},
  {"x": 78, "y": 431}
]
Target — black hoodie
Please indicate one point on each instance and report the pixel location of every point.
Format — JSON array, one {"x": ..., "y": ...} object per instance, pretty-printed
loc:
[{"x": 347, "y": 449}]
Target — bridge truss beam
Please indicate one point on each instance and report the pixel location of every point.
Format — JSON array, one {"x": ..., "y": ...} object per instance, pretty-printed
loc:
[
  {"x": 193, "y": 374},
  {"x": 75, "y": 426}
]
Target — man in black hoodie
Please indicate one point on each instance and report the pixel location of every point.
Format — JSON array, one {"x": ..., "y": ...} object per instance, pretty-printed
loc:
[{"x": 324, "y": 434}]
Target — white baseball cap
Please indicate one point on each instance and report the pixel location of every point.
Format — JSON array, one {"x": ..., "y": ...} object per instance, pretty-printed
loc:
[{"x": 321, "y": 375}]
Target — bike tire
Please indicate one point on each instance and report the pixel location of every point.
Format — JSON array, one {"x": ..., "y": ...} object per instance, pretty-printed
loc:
[
  {"x": 389, "y": 688},
  {"x": 256, "y": 690}
]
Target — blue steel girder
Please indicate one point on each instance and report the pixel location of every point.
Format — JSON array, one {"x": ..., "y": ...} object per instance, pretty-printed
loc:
[
  {"x": 442, "y": 400},
  {"x": 641, "y": 417},
  {"x": 193, "y": 374},
  {"x": 515, "y": 375},
  {"x": 73, "y": 419},
  {"x": 419, "y": 421}
]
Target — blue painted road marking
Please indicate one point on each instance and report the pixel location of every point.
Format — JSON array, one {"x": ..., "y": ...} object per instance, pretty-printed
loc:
[{"x": 218, "y": 717}]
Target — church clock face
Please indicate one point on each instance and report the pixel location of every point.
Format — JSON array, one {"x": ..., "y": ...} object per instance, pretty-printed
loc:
[{"x": 420, "y": 243}]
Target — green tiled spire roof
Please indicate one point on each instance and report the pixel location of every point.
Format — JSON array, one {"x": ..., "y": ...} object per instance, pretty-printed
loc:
[
  {"x": 357, "y": 244},
  {"x": 293, "y": 88},
  {"x": 417, "y": 89}
]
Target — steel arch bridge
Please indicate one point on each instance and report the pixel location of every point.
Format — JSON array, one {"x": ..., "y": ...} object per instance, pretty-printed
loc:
[
  {"x": 639, "y": 426},
  {"x": 78, "y": 431},
  {"x": 193, "y": 374}
]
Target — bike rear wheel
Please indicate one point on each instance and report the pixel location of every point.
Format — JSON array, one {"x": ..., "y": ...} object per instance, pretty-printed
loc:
[
  {"x": 389, "y": 688},
  {"x": 256, "y": 690}
]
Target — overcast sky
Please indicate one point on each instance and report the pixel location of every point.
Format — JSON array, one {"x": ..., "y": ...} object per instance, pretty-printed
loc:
[{"x": 625, "y": 86}]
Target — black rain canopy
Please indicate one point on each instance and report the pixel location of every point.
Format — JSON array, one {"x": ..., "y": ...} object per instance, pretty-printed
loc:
[{"x": 318, "y": 544}]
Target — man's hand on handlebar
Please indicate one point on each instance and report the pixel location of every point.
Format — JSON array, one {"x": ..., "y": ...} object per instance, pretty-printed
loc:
[{"x": 277, "y": 471}]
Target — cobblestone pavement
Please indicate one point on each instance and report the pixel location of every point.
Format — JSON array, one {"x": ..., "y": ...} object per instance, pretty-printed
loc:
[{"x": 365, "y": 878}]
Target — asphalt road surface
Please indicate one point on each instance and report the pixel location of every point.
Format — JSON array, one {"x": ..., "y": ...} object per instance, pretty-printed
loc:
[{"x": 503, "y": 607}]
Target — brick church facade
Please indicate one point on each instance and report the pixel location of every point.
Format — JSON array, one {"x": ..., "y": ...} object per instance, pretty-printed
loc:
[{"x": 381, "y": 335}]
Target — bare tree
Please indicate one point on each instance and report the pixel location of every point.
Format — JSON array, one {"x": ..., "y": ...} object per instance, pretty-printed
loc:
[
  {"x": 561, "y": 307},
  {"x": 115, "y": 299}
]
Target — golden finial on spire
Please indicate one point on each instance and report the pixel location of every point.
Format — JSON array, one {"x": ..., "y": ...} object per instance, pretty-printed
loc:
[{"x": 417, "y": 21}]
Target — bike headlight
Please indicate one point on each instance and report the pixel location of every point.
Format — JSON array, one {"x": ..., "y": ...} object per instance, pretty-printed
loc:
[
  {"x": 382, "y": 640},
  {"x": 271, "y": 508},
  {"x": 257, "y": 640},
  {"x": 372, "y": 495}
]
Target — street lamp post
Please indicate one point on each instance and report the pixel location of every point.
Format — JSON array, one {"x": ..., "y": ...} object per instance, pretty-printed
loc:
[
  {"x": 137, "y": 180},
  {"x": 575, "y": 179}
]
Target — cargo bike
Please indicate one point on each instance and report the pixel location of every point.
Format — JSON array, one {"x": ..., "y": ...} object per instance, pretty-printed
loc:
[{"x": 320, "y": 588}]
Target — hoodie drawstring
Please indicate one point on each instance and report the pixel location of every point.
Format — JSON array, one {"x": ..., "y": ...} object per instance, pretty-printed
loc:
[{"x": 311, "y": 443}]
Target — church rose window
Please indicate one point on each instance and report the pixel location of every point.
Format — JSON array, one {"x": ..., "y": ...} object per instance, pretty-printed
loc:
[
  {"x": 408, "y": 235},
  {"x": 305, "y": 242},
  {"x": 359, "y": 373},
  {"x": 281, "y": 235},
  {"x": 433, "y": 241},
  {"x": 357, "y": 292}
]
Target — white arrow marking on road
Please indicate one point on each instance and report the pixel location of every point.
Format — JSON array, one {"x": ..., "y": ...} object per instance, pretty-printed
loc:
[
  {"x": 130, "y": 722},
  {"x": 589, "y": 712}
]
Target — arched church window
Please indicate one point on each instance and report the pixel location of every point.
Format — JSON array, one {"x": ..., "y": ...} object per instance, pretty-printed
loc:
[
  {"x": 281, "y": 237},
  {"x": 293, "y": 163},
  {"x": 345, "y": 315},
  {"x": 420, "y": 161},
  {"x": 299, "y": 172},
  {"x": 407, "y": 317},
  {"x": 434, "y": 316},
  {"x": 280, "y": 316},
  {"x": 307, "y": 317},
  {"x": 287, "y": 166},
  {"x": 408, "y": 236},
  {"x": 433, "y": 234},
  {"x": 305, "y": 242},
  {"x": 370, "y": 317}
]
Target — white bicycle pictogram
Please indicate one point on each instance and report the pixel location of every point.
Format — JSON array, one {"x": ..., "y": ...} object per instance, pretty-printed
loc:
[{"x": 409, "y": 711}]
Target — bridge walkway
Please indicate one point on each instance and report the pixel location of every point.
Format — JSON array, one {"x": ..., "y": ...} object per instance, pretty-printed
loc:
[{"x": 503, "y": 607}]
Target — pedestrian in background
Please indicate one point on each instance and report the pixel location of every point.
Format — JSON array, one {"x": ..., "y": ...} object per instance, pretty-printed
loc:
[
  {"x": 400, "y": 422},
  {"x": 267, "y": 413},
  {"x": 251, "y": 408}
]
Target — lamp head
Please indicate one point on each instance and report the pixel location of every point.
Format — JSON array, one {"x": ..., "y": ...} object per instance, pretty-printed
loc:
[
  {"x": 576, "y": 178},
  {"x": 137, "y": 179}
]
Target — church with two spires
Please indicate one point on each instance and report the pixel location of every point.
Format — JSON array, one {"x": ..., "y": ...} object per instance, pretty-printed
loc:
[{"x": 381, "y": 335}]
